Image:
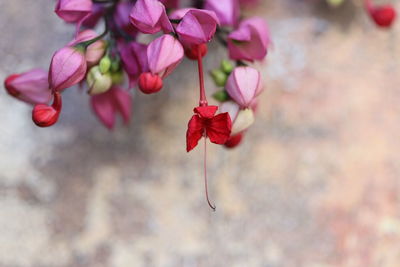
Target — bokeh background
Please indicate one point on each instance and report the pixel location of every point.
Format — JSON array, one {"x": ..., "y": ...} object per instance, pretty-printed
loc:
[{"x": 315, "y": 184}]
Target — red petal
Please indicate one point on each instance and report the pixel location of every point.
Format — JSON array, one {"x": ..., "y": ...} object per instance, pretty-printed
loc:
[
  {"x": 219, "y": 128},
  {"x": 234, "y": 140},
  {"x": 194, "y": 132},
  {"x": 206, "y": 112}
]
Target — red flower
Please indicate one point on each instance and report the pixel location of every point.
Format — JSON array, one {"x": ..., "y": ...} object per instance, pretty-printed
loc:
[{"x": 206, "y": 123}]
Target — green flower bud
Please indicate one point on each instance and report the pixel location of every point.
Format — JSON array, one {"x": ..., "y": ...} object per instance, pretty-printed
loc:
[
  {"x": 117, "y": 77},
  {"x": 219, "y": 77},
  {"x": 335, "y": 3},
  {"x": 221, "y": 95},
  {"x": 105, "y": 64},
  {"x": 98, "y": 82},
  {"x": 115, "y": 65},
  {"x": 226, "y": 66}
]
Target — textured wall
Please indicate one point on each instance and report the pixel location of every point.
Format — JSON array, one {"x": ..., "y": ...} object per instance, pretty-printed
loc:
[{"x": 315, "y": 184}]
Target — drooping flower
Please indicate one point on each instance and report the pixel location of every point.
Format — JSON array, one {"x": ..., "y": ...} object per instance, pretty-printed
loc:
[
  {"x": 227, "y": 11},
  {"x": 44, "y": 115},
  {"x": 106, "y": 106},
  {"x": 164, "y": 54},
  {"x": 250, "y": 41},
  {"x": 149, "y": 16},
  {"x": 383, "y": 15},
  {"x": 73, "y": 10},
  {"x": 243, "y": 85},
  {"x": 205, "y": 123},
  {"x": 197, "y": 26},
  {"x": 67, "y": 68},
  {"x": 134, "y": 59},
  {"x": 31, "y": 86},
  {"x": 95, "y": 51}
]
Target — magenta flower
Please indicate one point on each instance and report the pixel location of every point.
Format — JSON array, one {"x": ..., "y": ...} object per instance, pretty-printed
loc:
[
  {"x": 97, "y": 13},
  {"x": 170, "y": 3},
  {"x": 227, "y": 11},
  {"x": 95, "y": 51},
  {"x": 164, "y": 54},
  {"x": 197, "y": 26},
  {"x": 73, "y": 10},
  {"x": 243, "y": 85},
  {"x": 31, "y": 86},
  {"x": 67, "y": 68},
  {"x": 250, "y": 41},
  {"x": 121, "y": 18},
  {"x": 149, "y": 16},
  {"x": 107, "y": 105},
  {"x": 134, "y": 59}
]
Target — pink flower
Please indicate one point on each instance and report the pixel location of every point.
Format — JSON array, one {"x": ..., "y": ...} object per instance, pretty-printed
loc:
[
  {"x": 164, "y": 54},
  {"x": 149, "y": 16},
  {"x": 121, "y": 18},
  {"x": 134, "y": 59},
  {"x": 67, "y": 68},
  {"x": 107, "y": 105},
  {"x": 227, "y": 11},
  {"x": 31, "y": 86},
  {"x": 95, "y": 51},
  {"x": 243, "y": 85},
  {"x": 197, "y": 26},
  {"x": 250, "y": 41},
  {"x": 73, "y": 10}
]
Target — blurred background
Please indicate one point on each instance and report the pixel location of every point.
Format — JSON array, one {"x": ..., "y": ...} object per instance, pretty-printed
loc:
[{"x": 315, "y": 183}]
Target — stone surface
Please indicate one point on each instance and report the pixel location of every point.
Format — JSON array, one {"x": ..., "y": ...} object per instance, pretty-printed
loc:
[{"x": 315, "y": 184}]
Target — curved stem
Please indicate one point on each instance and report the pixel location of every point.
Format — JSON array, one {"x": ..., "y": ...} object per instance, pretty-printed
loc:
[
  {"x": 57, "y": 101},
  {"x": 213, "y": 207}
]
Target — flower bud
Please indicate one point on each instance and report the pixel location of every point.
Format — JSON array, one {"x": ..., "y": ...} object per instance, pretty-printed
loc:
[
  {"x": 226, "y": 66},
  {"x": 97, "y": 81},
  {"x": 197, "y": 26},
  {"x": 44, "y": 115},
  {"x": 31, "y": 86},
  {"x": 382, "y": 15},
  {"x": 227, "y": 11},
  {"x": 221, "y": 96},
  {"x": 105, "y": 64},
  {"x": 73, "y": 10},
  {"x": 244, "y": 119},
  {"x": 192, "y": 52},
  {"x": 164, "y": 54},
  {"x": 150, "y": 83},
  {"x": 149, "y": 16},
  {"x": 219, "y": 77},
  {"x": 95, "y": 51},
  {"x": 67, "y": 68},
  {"x": 234, "y": 140},
  {"x": 243, "y": 85}
]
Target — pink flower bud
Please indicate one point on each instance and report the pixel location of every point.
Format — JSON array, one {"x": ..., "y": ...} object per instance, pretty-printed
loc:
[
  {"x": 243, "y": 85},
  {"x": 150, "y": 83},
  {"x": 95, "y": 51},
  {"x": 44, "y": 115},
  {"x": 197, "y": 25},
  {"x": 73, "y": 10},
  {"x": 107, "y": 105},
  {"x": 227, "y": 11},
  {"x": 31, "y": 86},
  {"x": 134, "y": 59},
  {"x": 164, "y": 54},
  {"x": 149, "y": 16},
  {"x": 67, "y": 68},
  {"x": 250, "y": 41}
]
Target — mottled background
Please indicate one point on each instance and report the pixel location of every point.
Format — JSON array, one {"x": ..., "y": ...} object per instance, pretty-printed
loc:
[{"x": 315, "y": 184}]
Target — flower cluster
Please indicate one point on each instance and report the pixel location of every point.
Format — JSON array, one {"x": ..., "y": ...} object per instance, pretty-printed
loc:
[
  {"x": 382, "y": 15},
  {"x": 109, "y": 65}
]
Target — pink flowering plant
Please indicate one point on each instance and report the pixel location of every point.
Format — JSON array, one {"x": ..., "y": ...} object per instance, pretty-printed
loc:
[{"x": 113, "y": 64}]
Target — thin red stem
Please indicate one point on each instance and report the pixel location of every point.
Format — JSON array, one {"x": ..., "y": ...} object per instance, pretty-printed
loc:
[
  {"x": 203, "y": 98},
  {"x": 57, "y": 102},
  {"x": 213, "y": 207}
]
